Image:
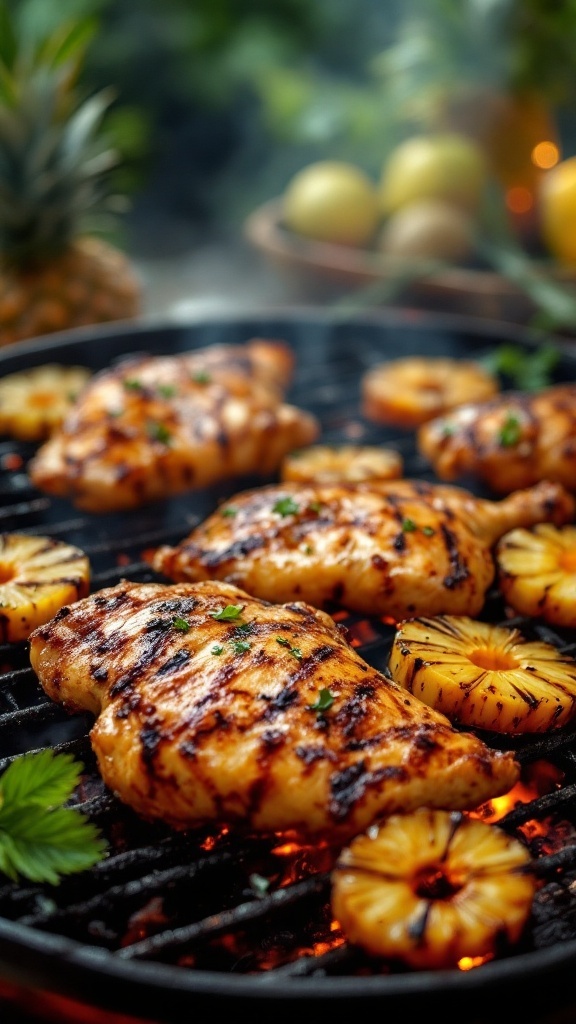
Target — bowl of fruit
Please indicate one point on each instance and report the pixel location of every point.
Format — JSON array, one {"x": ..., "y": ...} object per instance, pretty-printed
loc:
[{"x": 420, "y": 234}]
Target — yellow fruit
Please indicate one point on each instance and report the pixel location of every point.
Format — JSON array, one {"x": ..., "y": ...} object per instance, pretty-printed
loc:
[
  {"x": 557, "y": 200},
  {"x": 408, "y": 392},
  {"x": 34, "y": 402},
  {"x": 484, "y": 676},
  {"x": 444, "y": 166},
  {"x": 332, "y": 201},
  {"x": 352, "y": 463},
  {"x": 428, "y": 229},
  {"x": 431, "y": 887},
  {"x": 537, "y": 572},
  {"x": 38, "y": 576}
]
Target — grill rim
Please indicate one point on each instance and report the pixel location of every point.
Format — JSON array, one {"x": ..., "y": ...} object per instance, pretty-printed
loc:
[{"x": 71, "y": 968}]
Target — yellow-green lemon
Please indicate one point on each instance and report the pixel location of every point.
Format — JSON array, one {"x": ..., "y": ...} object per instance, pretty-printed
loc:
[
  {"x": 332, "y": 201},
  {"x": 443, "y": 166}
]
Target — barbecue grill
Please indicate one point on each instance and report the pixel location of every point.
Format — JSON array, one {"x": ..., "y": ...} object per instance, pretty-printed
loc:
[{"x": 213, "y": 921}]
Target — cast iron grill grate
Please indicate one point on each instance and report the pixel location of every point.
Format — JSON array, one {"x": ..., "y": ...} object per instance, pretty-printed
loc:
[{"x": 223, "y": 903}]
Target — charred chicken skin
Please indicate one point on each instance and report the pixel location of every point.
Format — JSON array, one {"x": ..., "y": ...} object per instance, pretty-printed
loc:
[
  {"x": 154, "y": 426},
  {"x": 213, "y": 706},
  {"x": 387, "y": 548},
  {"x": 508, "y": 442}
]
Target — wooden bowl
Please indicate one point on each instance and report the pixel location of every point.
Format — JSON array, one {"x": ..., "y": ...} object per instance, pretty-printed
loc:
[{"x": 325, "y": 271}]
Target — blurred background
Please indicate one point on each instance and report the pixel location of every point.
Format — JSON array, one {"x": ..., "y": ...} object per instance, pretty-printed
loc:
[{"x": 218, "y": 105}]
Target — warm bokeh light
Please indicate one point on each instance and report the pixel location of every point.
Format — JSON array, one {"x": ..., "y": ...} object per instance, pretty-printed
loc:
[
  {"x": 519, "y": 199},
  {"x": 545, "y": 155}
]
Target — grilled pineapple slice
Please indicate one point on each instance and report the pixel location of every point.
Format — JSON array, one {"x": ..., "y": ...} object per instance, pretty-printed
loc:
[
  {"x": 345, "y": 463},
  {"x": 38, "y": 576},
  {"x": 484, "y": 676},
  {"x": 34, "y": 402},
  {"x": 537, "y": 572},
  {"x": 408, "y": 392},
  {"x": 432, "y": 887}
]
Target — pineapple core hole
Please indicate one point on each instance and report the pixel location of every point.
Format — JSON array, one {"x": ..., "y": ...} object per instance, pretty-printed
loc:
[
  {"x": 567, "y": 560},
  {"x": 7, "y": 572},
  {"x": 433, "y": 883},
  {"x": 493, "y": 660}
]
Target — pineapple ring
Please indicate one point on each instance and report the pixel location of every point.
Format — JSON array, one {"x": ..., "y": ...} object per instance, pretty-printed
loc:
[
  {"x": 34, "y": 402},
  {"x": 484, "y": 676},
  {"x": 408, "y": 392},
  {"x": 344, "y": 464},
  {"x": 432, "y": 887},
  {"x": 537, "y": 572},
  {"x": 38, "y": 576}
]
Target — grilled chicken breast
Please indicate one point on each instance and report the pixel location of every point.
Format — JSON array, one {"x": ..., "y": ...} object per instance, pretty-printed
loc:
[
  {"x": 509, "y": 442},
  {"x": 390, "y": 548},
  {"x": 214, "y": 706},
  {"x": 155, "y": 426}
]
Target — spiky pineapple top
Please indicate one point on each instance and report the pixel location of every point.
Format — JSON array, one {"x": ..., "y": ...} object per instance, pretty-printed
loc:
[
  {"x": 55, "y": 161},
  {"x": 56, "y": 191}
]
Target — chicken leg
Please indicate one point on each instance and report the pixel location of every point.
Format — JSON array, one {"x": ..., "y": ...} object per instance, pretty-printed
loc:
[{"x": 393, "y": 548}]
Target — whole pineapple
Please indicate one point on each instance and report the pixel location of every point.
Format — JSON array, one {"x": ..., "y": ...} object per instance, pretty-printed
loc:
[{"x": 55, "y": 193}]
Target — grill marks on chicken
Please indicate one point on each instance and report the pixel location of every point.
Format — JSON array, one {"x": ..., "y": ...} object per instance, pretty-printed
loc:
[
  {"x": 155, "y": 426},
  {"x": 508, "y": 442},
  {"x": 207, "y": 705},
  {"x": 395, "y": 548}
]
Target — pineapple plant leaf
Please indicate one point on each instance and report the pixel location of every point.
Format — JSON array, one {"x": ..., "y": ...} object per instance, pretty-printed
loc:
[{"x": 58, "y": 207}]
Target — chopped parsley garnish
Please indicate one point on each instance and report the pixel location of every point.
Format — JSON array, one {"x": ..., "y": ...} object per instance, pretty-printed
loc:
[
  {"x": 159, "y": 432},
  {"x": 166, "y": 390},
  {"x": 240, "y": 646},
  {"x": 511, "y": 431},
  {"x": 286, "y": 507},
  {"x": 41, "y": 839},
  {"x": 408, "y": 526},
  {"x": 132, "y": 384},
  {"x": 229, "y": 511},
  {"x": 201, "y": 377},
  {"x": 294, "y": 651},
  {"x": 428, "y": 531},
  {"x": 227, "y": 614},
  {"x": 315, "y": 506},
  {"x": 217, "y": 649},
  {"x": 323, "y": 703},
  {"x": 180, "y": 624}
]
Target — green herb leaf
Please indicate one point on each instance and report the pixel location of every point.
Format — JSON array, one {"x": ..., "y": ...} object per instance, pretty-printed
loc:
[
  {"x": 159, "y": 432},
  {"x": 511, "y": 431},
  {"x": 166, "y": 390},
  {"x": 240, "y": 646},
  {"x": 230, "y": 612},
  {"x": 181, "y": 624},
  {"x": 39, "y": 839},
  {"x": 408, "y": 526},
  {"x": 323, "y": 703},
  {"x": 527, "y": 370},
  {"x": 230, "y": 511},
  {"x": 294, "y": 651},
  {"x": 286, "y": 507},
  {"x": 201, "y": 377},
  {"x": 131, "y": 384},
  {"x": 217, "y": 649}
]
